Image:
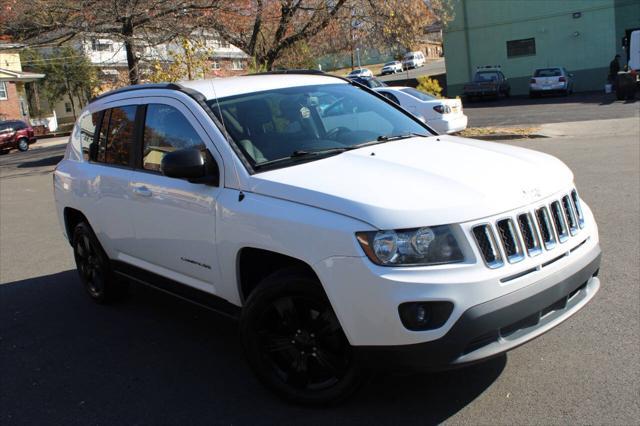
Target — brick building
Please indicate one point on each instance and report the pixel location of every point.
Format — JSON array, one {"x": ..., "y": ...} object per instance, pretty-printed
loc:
[{"x": 13, "y": 97}]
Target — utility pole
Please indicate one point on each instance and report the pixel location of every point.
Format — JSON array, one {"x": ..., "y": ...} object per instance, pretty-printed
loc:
[{"x": 358, "y": 53}]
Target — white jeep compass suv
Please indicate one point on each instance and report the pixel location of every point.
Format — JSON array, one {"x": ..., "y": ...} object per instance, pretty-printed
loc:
[{"x": 342, "y": 231}]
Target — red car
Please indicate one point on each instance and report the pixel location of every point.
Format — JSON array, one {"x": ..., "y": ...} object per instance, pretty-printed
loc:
[{"x": 15, "y": 134}]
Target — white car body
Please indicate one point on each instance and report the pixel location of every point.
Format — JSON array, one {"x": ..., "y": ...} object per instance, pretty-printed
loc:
[
  {"x": 193, "y": 234},
  {"x": 391, "y": 68},
  {"x": 422, "y": 105},
  {"x": 551, "y": 79},
  {"x": 413, "y": 60},
  {"x": 360, "y": 72}
]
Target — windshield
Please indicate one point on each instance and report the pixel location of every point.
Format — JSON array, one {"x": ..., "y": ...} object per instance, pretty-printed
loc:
[
  {"x": 418, "y": 94},
  {"x": 548, "y": 72},
  {"x": 295, "y": 123},
  {"x": 485, "y": 76},
  {"x": 389, "y": 64}
]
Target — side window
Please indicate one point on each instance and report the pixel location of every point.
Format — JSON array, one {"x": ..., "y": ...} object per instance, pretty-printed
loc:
[
  {"x": 100, "y": 157},
  {"x": 166, "y": 130},
  {"x": 391, "y": 97},
  {"x": 88, "y": 126},
  {"x": 120, "y": 136}
]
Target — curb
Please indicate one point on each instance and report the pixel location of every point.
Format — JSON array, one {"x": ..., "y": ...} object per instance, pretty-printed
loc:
[{"x": 504, "y": 137}]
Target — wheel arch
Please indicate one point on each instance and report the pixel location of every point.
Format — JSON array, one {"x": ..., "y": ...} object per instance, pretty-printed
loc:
[
  {"x": 72, "y": 217},
  {"x": 254, "y": 264}
]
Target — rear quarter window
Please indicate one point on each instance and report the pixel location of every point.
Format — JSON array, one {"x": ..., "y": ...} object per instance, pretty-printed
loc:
[{"x": 87, "y": 128}]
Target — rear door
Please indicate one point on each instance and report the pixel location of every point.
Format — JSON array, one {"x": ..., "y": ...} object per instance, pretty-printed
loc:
[
  {"x": 174, "y": 219},
  {"x": 108, "y": 173}
]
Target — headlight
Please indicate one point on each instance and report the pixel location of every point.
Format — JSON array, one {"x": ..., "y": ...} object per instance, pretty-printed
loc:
[{"x": 411, "y": 247}]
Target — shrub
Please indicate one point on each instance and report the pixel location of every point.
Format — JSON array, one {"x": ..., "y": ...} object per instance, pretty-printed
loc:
[{"x": 430, "y": 86}]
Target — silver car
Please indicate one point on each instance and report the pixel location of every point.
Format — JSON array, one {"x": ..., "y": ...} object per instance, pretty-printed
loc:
[
  {"x": 551, "y": 80},
  {"x": 391, "y": 68}
]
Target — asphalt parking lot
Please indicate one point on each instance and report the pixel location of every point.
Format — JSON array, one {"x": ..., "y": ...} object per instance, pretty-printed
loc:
[
  {"x": 154, "y": 359},
  {"x": 518, "y": 111}
]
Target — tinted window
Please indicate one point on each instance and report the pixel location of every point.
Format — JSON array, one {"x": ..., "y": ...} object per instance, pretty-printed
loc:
[
  {"x": 525, "y": 47},
  {"x": 274, "y": 124},
  {"x": 102, "y": 139},
  {"x": 390, "y": 96},
  {"x": 87, "y": 130},
  {"x": 548, "y": 72},
  {"x": 166, "y": 130},
  {"x": 486, "y": 76},
  {"x": 121, "y": 135}
]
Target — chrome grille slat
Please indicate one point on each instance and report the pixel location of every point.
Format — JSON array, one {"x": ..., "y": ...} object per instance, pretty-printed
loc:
[
  {"x": 530, "y": 232},
  {"x": 578, "y": 208},
  {"x": 572, "y": 221},
  {"x": 546, "y": 228},
  {"x": 510, "y": 240},
  {"x": 488, "y": 247}
]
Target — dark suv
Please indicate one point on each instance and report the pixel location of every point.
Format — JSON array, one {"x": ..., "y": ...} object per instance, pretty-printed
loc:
[{"x": 15, "y": 134}]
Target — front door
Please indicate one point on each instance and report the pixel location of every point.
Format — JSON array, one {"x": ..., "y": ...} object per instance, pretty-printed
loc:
[{"x": 174, "y": 220}]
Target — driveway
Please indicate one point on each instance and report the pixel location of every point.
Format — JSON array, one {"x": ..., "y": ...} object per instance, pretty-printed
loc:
[{"x": 154, "y": 359}]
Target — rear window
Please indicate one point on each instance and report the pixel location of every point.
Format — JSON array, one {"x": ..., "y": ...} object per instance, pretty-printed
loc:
[
  {"x": 548, "y": 72},
  {"x": 485, "y": 76},
  {"x": 418, "y": 94}
]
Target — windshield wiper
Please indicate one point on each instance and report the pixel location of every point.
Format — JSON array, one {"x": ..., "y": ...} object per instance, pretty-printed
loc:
[
  {"x": 385, "y": 138},
  {"x": 301, "y": 154}
]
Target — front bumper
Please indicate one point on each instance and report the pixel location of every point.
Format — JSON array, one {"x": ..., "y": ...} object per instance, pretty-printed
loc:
[{"x": 496, "y": 326}]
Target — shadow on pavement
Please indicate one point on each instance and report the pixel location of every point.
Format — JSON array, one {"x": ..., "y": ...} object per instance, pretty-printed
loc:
[
  {"x": 47, "y": 161},
  {"x": 155, "y": 359}
]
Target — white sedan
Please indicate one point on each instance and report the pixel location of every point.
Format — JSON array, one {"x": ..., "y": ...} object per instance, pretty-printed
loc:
[
  {"x": 443, "y": 115},
  {"x": 360, "y": 72}
]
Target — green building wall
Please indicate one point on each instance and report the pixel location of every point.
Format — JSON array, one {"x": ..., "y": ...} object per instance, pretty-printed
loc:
[{"x": 583, "y": 44}]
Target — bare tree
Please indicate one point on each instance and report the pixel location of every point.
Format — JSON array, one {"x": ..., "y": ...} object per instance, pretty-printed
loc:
[{"x": 137, "y": 23}]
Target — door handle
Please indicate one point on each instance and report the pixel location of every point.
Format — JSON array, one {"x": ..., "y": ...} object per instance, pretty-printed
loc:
[{"x": 142, "y": 191}]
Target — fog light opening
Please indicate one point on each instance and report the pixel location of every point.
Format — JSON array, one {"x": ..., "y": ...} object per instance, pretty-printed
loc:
[{"x": 420, "y": 316}]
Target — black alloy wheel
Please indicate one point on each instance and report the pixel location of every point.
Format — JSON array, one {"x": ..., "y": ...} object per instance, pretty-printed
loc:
[
  {"x": 294, "y": 341},
  {"x": 93, "y": 266}
]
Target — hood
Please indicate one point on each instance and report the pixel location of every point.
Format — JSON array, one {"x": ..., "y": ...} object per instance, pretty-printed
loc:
[{"x": 419, "y": 181}]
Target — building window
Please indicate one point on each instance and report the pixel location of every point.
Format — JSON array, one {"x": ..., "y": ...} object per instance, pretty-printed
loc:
[
  {"x": 101, "y": 45},
  {"x": 237, "y": 65},
  {"x": 524, "y": 47},
  {"x": 4, "y": 95},
  {"x": 215, "y": 65},
  {"x": 67, "y": 106}
]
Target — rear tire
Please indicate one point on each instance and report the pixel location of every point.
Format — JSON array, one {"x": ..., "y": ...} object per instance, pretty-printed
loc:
[
  {"x": 294, "y": 343},
  {"x": 23, "y": 145},
  {"x": 94, "y": 268}
]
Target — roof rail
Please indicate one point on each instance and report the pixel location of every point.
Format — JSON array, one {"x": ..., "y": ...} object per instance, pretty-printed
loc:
[{"x": 170, "y": 86}]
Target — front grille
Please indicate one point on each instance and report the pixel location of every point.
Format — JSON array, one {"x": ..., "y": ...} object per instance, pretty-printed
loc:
[
  {"x": 559, "y": 221},
  {"x": 571, "y": 217},
  {"x": 531, "y": 232},
  {"x": 510, "y": 241},
  {"x": 488, "y": 247}
]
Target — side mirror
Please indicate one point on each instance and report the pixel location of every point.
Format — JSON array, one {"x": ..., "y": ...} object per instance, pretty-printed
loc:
[{"x": 195, "y": 165}]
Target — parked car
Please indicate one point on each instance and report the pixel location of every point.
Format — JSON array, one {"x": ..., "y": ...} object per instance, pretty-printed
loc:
[
  {"x": 550, "y": 80},
  {"x": 340, "y": 230},
  {"x": 413, "y": 60},
  {"x": 370, "y": 82},
  {"x": 391, "y": 68},
  {"x": 487, "y": 81},
  {"x": 443, "y": 115},
  {"x": 16, "y": 134},
  {"x": 360, "y": 72}
]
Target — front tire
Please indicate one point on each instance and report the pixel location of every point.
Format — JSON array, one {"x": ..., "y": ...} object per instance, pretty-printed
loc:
[
  {"x": 294, "y": 343},
  {"x": 23, "y": 145},
  {"x": 94, "y": 268}
]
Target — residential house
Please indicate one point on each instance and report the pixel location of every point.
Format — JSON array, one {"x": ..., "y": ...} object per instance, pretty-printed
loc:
[{"x": 13, "y": 96}]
